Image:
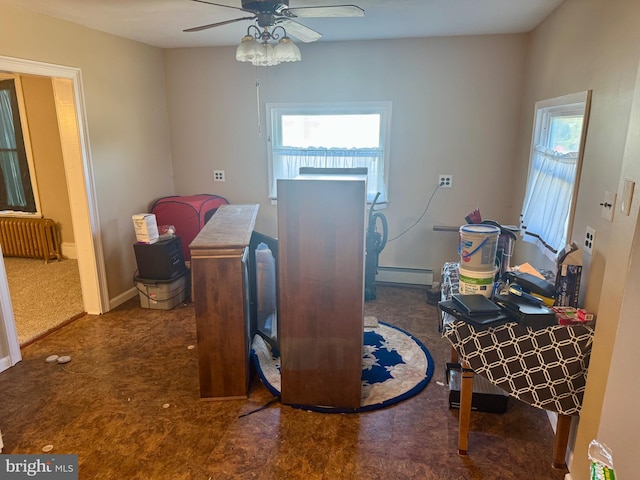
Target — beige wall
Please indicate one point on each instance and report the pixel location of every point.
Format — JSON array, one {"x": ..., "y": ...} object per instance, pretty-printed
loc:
[
  {"x": 584, "y": 45},
  {"x": 594, "y": 44},
  {"x": 456, "y": 105},
  {"x": 126, "y": 110},
  {"x": 612, "y": 389},
  {"x": 47, "y": 153}
]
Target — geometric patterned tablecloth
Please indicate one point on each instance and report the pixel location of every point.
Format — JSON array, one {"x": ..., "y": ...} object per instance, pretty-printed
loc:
[{"x": 546, "y": 368}]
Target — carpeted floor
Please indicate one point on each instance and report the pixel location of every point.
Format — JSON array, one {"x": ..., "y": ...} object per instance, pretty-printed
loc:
[
  {"x": 128, "y": 405},
  {"x": 43, "y": 295}
]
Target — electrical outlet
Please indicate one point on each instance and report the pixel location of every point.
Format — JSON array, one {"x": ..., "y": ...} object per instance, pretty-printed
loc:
[
  {"x": 589, "y": 240},
  {"x": 445, "y": 181},
  {"x": 218, "y": 175}
]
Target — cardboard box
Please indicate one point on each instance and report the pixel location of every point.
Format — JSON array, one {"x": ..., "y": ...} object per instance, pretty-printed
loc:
[
  {"x": 569, "y": 272},
  {"x": 584, "y": 316},
  {"x": 485, "y": 397},
  {"x": 145, "y": 227}
]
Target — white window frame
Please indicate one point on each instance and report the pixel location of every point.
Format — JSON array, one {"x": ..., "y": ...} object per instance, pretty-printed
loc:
[
  {"x": 275, "y": 110},
  {"x": 567, "y": 105}
]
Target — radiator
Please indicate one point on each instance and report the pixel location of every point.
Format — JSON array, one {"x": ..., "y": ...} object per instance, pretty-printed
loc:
[{"x": 29, "y": 237}]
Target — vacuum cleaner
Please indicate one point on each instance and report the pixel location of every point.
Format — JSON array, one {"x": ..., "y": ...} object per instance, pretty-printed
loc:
[{"x": 374, "y": 243}]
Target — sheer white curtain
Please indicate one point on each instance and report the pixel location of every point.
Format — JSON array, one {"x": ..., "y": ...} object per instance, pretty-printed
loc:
[
  {"x": 287, "y": 162},
  {"x": 547, "y": 203}
]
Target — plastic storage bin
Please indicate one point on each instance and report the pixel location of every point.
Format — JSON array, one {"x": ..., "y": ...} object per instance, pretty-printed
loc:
[{"x": 162, "y": 294}]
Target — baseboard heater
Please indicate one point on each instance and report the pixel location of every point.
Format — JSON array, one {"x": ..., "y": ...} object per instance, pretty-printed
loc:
[{"x": 405, "y": 276}]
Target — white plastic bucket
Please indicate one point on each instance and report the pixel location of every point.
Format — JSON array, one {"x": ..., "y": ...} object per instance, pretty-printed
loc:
[
  {"x": 476, "y": 282},
  {"x": 478, "y": 246}
]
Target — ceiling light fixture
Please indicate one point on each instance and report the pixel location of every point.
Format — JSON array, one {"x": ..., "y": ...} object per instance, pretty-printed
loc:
[{"x": 267, "y": 48}]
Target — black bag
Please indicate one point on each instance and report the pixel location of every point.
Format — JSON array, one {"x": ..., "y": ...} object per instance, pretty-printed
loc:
[{"x": 525, "y": 312}]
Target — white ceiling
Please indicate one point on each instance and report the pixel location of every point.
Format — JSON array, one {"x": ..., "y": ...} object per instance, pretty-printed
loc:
[{"x": 161, "y": 22}]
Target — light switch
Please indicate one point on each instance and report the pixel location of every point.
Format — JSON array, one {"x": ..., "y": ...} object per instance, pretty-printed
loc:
[
  {"x": 608, "y": 206},
  {"x": 627, "y": 196}
]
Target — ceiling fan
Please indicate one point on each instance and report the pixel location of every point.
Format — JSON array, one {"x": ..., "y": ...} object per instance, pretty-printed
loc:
[{"x": 270, "y": 13}]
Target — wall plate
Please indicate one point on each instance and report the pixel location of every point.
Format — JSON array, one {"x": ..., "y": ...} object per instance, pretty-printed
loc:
[
  {"x": 589, "y": 240},
  {"x": 445, "y": 180},
  {"x": 627, "y": 196},
  {"x": 608, "y": 206}
]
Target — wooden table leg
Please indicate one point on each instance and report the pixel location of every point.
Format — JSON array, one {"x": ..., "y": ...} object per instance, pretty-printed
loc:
[
  {"x": 464, "y": 417},
  {"x": 563, "y": 428}
]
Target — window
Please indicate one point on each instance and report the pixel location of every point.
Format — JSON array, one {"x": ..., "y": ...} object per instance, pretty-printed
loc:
[
  {"x": 554, "y": 169},
  {"x": 16, "y": 193},
  {"x": 348, "y": 135}
]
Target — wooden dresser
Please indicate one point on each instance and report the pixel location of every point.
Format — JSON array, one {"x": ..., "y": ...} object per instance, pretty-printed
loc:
[
  {"x": 220, "y": 293},
  {"x": 321, "y": 228}
]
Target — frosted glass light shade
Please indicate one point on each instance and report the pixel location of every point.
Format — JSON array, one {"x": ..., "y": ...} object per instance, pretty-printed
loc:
[
  {"x": 287, "y": 51},
  {"x": 248, "y": 50},
  {"x": 266, "y": 57},
  {"x": 265, "y": 54}
]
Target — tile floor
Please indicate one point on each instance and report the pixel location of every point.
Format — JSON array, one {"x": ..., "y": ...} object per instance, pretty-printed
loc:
[{"x": 128, "y": 404}]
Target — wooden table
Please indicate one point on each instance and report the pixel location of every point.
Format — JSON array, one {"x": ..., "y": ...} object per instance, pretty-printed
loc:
[{"x": 546, "y": 368}]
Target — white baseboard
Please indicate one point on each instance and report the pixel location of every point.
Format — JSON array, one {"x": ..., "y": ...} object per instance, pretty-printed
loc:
[
  {"x": 5, "y": 363},
  {"x": 120, "y": 299},
  {"x": 69, "y": 250},
  {"x": 405, "y": 276},
  {"x": 553, "y": 419}
]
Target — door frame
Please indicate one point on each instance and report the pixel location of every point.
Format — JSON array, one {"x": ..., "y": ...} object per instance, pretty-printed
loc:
[{"x": 72, "y": 125}]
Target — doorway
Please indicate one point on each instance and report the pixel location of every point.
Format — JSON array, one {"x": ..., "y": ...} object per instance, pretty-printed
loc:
[{"x": 68, "y": 96}]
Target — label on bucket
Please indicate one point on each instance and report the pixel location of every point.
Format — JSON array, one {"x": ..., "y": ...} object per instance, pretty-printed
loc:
[
  {"x": 478, "y": 246},
  {"x": 480, "y": 283}
]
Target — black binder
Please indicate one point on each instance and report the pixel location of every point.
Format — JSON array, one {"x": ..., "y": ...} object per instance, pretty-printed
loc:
[
  {"x": 479, "y": 321},
  {"x": 475, "y": 304}
]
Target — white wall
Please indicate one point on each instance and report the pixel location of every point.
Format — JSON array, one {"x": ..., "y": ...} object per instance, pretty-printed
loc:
[
  {"x": 585, "y": 44},
  {"x": 595, "y": 44},
  {"x": 620, "y": 421},
  {"x": 456, "y": 105}
]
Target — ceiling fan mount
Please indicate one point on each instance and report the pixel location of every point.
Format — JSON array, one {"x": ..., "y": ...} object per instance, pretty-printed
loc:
[
  {"x": 269, "y": 13},
  {"x": 265, "y": 6}
]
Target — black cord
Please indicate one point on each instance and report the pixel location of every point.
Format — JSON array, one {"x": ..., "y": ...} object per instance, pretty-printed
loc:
[
  {"x": 421, "y": 216},
  {"x": 263, "y": 407}
]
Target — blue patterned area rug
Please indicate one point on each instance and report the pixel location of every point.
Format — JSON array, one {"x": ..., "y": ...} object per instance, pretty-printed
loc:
[{"x": 395, "y": 366}]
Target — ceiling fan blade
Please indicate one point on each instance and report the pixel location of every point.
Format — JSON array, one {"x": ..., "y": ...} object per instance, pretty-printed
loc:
[
  {"x": 220, "y": 5},
  {"x": 218, "y": 24},
  {"x": 299, "y": 31},
  {"x": 332, "y": 11}
]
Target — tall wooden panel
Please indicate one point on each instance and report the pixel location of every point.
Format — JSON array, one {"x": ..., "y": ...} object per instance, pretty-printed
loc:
[
  {"x": 220, "y": 292},
  {"x": 321, "y": 227}
]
